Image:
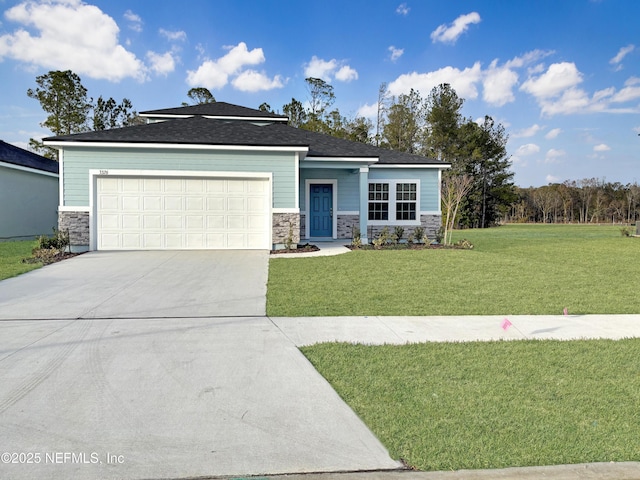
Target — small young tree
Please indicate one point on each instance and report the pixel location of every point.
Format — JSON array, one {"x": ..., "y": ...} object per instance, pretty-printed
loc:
[{"x": 454, "y": 189}]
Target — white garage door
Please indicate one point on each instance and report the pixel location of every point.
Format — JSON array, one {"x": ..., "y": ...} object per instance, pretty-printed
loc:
[{"x": 135, "y": 213}]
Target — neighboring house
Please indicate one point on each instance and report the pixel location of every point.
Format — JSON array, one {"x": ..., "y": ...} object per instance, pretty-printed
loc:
[
  {"x": 223, "y": 176},
  {"x": 28, "y": 193}
]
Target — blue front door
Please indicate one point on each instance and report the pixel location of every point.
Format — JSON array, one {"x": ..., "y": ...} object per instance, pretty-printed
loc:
[{"x": 321, "y": 201}]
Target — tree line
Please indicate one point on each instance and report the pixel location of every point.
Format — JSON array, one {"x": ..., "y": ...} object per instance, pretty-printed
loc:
[{"x": 589, "y": 200}]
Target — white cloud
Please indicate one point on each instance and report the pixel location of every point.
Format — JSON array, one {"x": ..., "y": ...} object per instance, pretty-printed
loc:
[
  {"x": 623, "y": 52},
  {"x": 528, "y": 58},
  {"x": 451, "y": 33},
  {"x": 630, "y": 92},
  {"x": 177, "y": 36},
  {"x": 601, "y": 148},
  {"x": 552, "y": 179},
  {"x": 553, "y": 133},
  {"x": 463, "y": 81},
  {"x": 396, "y": 53},
  {"x": 527, "y": 149},
  {"x": 557, "y": 78},
  {"x": 402, "y": 9},
  {"x": 557, "y": 93},
  {"x": 328, "y": 69},
  {"x": 319, "y": 68},
  {"x": 368, "y": 111},
  {"x": 252, "y": 81},
  {"x": 69, "y": 35},
  {"x": 161, "y": 64},
  {"x": 498, "y": 85},
  {"x": 346, "y": 74},
  {"x": 553, "y": 155},
  {"x": 527, "y": 132},
  {"x": 135, "y": 22},
  {"x": 215, "y": 73}
]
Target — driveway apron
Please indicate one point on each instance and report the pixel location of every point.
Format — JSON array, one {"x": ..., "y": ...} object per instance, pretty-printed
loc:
[
  {"x": 141, "y": 284},
  {"x": 92, "y": 389}
]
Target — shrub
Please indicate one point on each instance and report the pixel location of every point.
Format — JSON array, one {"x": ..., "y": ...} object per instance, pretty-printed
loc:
[
  {"x": 356, "y": 239},
  {"x": 382, "y": 238},
  {"x": 49, "y": 249},
  {"x": 626, "y": 231},
  {"x": 398, "y": 233},
  {"x": 418, "y": 234},
  {"x": 464, "y": 244}
]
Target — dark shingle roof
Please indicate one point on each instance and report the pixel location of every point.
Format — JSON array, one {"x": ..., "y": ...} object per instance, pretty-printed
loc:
[
  {"x": 24, "y": 158},
  {"x": 205, "y": 131},
  {"x": 216, "y": 109}
]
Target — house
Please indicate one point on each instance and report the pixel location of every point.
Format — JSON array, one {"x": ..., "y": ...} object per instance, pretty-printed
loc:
[
  {"x": 224, "y": 176},
  {"x": 28, "y": 193}
]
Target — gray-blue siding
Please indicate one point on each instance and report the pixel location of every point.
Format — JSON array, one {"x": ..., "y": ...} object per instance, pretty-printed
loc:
[{"x": 78, "y": 161}]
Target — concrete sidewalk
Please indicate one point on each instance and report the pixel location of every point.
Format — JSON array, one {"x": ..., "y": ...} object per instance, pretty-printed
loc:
[
  {"x": 376, "y": 330},
  {"x": 582, "y": 471}
]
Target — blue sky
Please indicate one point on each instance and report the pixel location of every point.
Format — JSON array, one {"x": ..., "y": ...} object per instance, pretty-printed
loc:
[{"x": 563, "y": 77}]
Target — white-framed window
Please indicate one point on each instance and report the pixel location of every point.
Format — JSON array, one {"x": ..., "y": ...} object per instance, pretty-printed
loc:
[{"x": 394, "y": 201}]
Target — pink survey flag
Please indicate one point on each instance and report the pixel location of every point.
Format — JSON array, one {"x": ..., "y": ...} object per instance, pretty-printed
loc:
[
  {"x": 506, "y": 324},
  {"x": 565, "y": 311}
]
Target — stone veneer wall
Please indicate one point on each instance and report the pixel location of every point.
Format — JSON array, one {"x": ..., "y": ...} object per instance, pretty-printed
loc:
[
  {"x": 77, "y": 224},
  {"x": 347, "y": 224},
  {"x": 430, "y": 223},
  {"x": 280, "y": 227}
]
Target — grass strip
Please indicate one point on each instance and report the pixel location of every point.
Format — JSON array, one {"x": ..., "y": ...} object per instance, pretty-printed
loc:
[
  {"x": 451, "y": 406},
  {"x": 11, "y": 255}
]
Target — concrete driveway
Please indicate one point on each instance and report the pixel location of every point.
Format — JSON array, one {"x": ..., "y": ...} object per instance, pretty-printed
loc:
[
  {"x": 150, "y": 284},
  {"x": 91, "y": 389}
]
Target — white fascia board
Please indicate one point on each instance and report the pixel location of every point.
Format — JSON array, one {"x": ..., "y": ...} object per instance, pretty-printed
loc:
[
  {"x": 166, "y": 115},
  {"x": 68, "y": 208},
  {"x": 28, "y": 169},
  {"x": 178, "y": 173},
  {"x": 367, "y": 160},
  {"x": 285, "y": 210},
  {"x": 416, "y": 165},
  {"x": 177, "y": 146},
  {"x": 248, "y": 119}
]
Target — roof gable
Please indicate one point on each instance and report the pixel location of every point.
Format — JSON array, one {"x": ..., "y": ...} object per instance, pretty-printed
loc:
[
  {"x": 221, "y": 110},
  {"x": 24, "y": 158}
]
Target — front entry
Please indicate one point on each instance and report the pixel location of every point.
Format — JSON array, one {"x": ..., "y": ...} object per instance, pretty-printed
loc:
[{"x": 321, "y": 205}]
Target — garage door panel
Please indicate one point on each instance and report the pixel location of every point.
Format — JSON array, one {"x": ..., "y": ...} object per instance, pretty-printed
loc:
[
  {"x": 108, "y": 202},
  {"x": 195, "y": 222},
  {"x": 215, "y": 204},
  {"x": 152, "y": 185},
  {"x": 173, "y": 185},
  {"x": 130, "y": 203},
  {"x": 236, "y": 204},
  {"x": 181, "y": 213},
  {"x": 130, "y": 221},
  {"x": 172, "y": 203},
  {"x": 152, "y": 202},
  {"x": 132, "y": 240},
  {"x": 194, "y": 203},
  {"x": 152, "y": 240}
]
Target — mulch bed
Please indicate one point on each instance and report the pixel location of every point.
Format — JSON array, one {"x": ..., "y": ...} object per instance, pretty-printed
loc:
[
  {"x": 299, "y": 249},
  {"x": 399, "y": 246}
]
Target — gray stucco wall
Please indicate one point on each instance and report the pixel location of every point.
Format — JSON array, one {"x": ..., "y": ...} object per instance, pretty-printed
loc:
[{"x": 28, "y": 203}]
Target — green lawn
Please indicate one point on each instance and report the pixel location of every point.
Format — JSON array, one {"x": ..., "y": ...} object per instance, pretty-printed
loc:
[
  {"x": 11, "y": 255},
  {"x": 450, "y": 406},
  {"x": 515, "y": 269}
]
